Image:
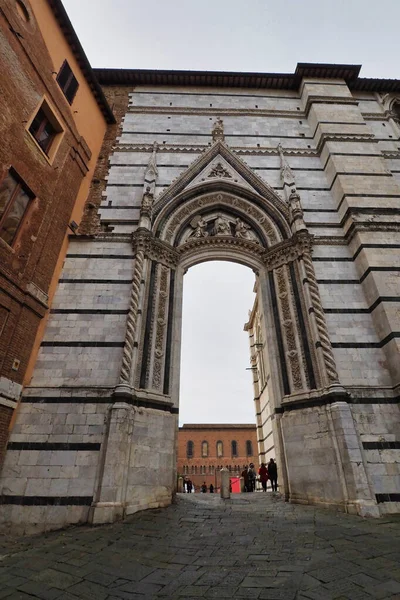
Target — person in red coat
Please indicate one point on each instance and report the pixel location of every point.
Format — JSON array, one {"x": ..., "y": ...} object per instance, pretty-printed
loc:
[{"x": 263, "y": 473}]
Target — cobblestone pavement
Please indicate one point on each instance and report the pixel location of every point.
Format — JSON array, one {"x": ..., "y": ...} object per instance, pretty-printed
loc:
[{"x": 252, "y": 546}]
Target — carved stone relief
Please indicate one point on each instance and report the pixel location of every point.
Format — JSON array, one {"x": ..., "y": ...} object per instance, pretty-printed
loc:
[
  {"x": 198, "y": 204},
  {"x": 288, "y": 327},
  {"x": 160, "y": 324}
]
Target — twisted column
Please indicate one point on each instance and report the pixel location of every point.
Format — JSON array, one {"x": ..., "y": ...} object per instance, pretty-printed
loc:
[
  {"x": 319, "y": 314},
  {"x": 127, "y": 356}
]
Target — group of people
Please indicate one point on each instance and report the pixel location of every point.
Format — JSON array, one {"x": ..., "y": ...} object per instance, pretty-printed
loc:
[
  {"x": 190, "y": 488},
  {"x": 265, "y": 473}
]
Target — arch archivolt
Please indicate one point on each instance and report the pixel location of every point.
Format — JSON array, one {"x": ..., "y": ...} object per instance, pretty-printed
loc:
[
  {"x": 266, "y": 224},
  {"x": 222, "y": 225}
]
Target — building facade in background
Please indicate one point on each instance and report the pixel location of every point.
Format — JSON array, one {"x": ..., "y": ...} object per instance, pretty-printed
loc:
[
  {"x": 203, "y": 450},
  {"x": 296, "y": 176},
  {"x": 53, "y": 116}
]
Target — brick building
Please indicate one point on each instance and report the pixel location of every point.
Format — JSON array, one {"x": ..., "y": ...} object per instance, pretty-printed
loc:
[
  {"x": 203, "y": 450},
  {"x": 53, "y": 117}
]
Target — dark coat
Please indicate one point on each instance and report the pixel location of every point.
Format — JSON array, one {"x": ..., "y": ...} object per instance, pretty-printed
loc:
[{"x": 272, "y": 470}]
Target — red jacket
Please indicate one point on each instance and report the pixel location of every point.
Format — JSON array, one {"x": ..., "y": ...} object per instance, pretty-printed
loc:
[{"x": 263, "y": 473}]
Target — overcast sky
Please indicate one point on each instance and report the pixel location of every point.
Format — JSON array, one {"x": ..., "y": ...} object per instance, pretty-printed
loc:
[{"x": 231, "y": 35}]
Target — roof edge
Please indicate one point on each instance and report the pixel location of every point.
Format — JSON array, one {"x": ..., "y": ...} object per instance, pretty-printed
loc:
[
  {"x": 69, "y": 32},
  {"x": 289, "y": 81}
]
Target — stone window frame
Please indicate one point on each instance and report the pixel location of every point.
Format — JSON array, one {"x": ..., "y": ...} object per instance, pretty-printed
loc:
[
  {"x": 50, "y": 114},
  {"x": 190, "y": 449},
  {"x": 249, "y": 448},
  {"x": 20, "y": 185}
]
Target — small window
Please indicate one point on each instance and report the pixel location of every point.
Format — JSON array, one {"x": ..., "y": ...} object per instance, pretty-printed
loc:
[
  {"x": 67, "y": 81},
  {"x": 234, "y": 448},
  {"x": 204, "y": 449},
  {"x": 43, "y": 130},
  {"x": 14, "y": 200},
  {"x": 190, "y": 449},
  {"x": 249, "y": 448},
  {"x": 220, "y": 449}
]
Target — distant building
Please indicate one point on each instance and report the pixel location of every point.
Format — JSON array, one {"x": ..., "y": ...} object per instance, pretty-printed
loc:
[
  {"x": 203, "y": 450},
  {"x": 261, "y": 381},
  {"x": 53, "y": 117}
]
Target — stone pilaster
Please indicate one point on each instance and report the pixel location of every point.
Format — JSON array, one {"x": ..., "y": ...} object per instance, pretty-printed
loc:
[{"x": 110, "y": 499}]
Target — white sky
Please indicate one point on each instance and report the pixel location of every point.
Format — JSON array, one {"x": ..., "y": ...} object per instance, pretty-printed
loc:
[{"x": 231, "y": 35}]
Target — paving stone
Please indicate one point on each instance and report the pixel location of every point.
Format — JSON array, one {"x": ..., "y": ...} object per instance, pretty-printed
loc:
[{"x": 259, "y": 548}]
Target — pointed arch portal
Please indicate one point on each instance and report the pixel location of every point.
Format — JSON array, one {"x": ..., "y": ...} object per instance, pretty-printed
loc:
[{"x": 219, "y": 209}]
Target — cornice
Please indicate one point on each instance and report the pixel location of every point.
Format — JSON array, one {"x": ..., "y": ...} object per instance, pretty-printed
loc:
[
  {"x": 345, "y": 137},
  {"x": 220, "y": 242},
  {"x": 183, "y": 110},
  {"x": 391, "y": 153},
  {"x": 314, "y": 99},
  {"x": 334, "y": 240},
  {"x": 198, "y": 148}
]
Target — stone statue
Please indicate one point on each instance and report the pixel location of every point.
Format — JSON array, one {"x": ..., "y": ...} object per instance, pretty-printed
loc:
[
  {"x": 147, "y": 200},
  {"x": 242, "y": 230},
  {"x": 200, "y": 228},
  {"x": 222, "y": 227},
  {"x": 218, "y": 130}
]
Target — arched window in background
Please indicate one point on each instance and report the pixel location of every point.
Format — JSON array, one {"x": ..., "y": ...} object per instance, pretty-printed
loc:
[
  {"x": 204, "y": 449},
  {"x": 220, "y": 449},
  {"x": 234, "y": 447},
  {"x": 190, "y": 449},
  {"x": 249, "y": 448}
]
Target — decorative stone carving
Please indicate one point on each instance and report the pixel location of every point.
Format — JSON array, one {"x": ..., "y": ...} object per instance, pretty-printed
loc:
[
  {"x": 296, "y": 211},
  {"x": 286, "y": 172},
  {"x": 154, "y": 248},
  {"x": 219, "y": 171},
  {"x": 288, "y": 327},
  {"x": 151, "y": 173},
  {"x": 218, "y": 130},
  {"x": 322, "y": 328},
  {"x": 242, "y": 230},
  {"x": 222, "y": 226},
  {"x": 161, "y": 322},
  {"x": 147, "y": 200},
  {"x": 288, "y": 251},
  {"x": 190, "y": 207},
  {"x": 127, "y": 355},
  {"x": 199, "y": 225}
]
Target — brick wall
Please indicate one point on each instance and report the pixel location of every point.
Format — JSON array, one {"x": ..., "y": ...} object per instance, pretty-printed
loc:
[
  {"x": 5, "y": 420},
  {"x": 28, "y": 266},
  {"x": 213, "y": 434}
]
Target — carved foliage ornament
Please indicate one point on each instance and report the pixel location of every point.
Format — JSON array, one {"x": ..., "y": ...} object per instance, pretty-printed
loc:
[
  {"x": 288, "y": 327},
  {"x": 154, "y": 249},
  {"x": 160, "y": 327},
  {"x": 288, "y": 251}
]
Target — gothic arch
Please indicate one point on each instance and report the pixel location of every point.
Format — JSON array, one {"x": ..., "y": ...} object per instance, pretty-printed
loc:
[{"x": 219, "y": 210}]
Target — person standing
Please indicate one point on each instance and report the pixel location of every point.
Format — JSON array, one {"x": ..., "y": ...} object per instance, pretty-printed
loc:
[
  {"x": 211, "y": 488},
  {"x": 273, "y": 474},
  {"x": 245, "y": 475},
  {"x": 263, "y": 473},
  {"x": 204, "y": 488},
  {"x": 189, "y": 486},
  {"x": 252, "y": 478}
]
